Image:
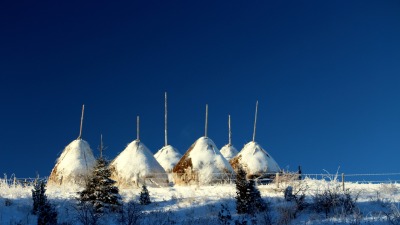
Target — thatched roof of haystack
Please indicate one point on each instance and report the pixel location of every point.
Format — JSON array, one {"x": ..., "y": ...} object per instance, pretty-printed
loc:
[
  {"x": 168, "y": 157},
  {"x": 255, "y": 160},
  {"x": 74, "y": 165},
  {"x": 202, "y": 163},
  {"x": 136, "y": 165},
  {"x": 229, "y": 151}
]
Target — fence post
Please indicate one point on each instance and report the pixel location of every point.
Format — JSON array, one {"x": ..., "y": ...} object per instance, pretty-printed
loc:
[
  {"x": 277, "y": 180},
  {"x": 343, "y": 181}
]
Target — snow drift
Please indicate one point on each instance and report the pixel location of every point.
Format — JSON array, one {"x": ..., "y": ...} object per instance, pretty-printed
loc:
[
  {"x": 136, "y": 165},
  {"x": 74, "y": 165},
  {"x": 255, "y": 160},
  {"x": 202, "y": 163}
]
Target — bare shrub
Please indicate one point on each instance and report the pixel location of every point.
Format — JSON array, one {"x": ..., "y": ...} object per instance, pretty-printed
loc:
[
  {"x": 86, "y": 214},
  {"x": 287, "y": 213},
  {"x": 130, "y": 213},
  {"x": 332, "y": 200},
  {"x": 393, "y": 215}
]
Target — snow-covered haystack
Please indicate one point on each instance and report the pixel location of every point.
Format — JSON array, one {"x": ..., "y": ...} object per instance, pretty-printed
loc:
[
  {"x": 255, "y": 161},
  {"x": 202, "y": 163},
  {"x": 74, "y": 165},
  {"x": 136, "y": 165},
  {"x": 168, "y": 157},
  {"x": 229, "y": 151}
]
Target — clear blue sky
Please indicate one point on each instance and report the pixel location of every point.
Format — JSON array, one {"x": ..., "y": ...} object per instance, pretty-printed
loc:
[{"x": 326, "y": 74}]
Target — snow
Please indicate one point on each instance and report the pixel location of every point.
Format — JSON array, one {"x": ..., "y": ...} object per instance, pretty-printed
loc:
[
  {"x": 168, "y": 157},
  {"x": 255, "y": 160},
  {"x": 74, "y": 164},
  {"x": 201, "y": 204},
  {"x": 135, "y": 165},
  {"x": 229, "y": 151},
  {"x": 206, "y": 161}
]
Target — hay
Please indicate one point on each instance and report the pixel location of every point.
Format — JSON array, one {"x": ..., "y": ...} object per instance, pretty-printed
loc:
[
  {"x": 135, "y": 166},
  {"x": 74, "y": 165},
  {"x": 202, "y": 164}
]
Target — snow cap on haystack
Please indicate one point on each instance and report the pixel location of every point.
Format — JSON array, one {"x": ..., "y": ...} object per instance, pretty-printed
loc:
[
  {"x": 75, "y": 163},
  {"x": 254, "y": 159},
  {"x": 229, "y": 151},
  {"x": 136, "y": 165},
  {"x": 202, "y": 163},
  {"x": 167, "y": 156}
]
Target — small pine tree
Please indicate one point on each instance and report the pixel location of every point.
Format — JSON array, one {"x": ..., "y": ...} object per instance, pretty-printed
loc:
[
  {"x": 242, "y": 199},
  {"x": 38, "y": 196},
  {"x": 100, "y": 191},
  {"x": 47, "y": 214},
  {"x": 256, "y": 203},
  {"x": 144, "y": 196}
]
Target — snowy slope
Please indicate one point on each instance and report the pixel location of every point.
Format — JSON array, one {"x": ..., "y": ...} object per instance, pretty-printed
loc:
[
  {"x": 168, "y": 157},
  {"x": 203, "y": 163},
  {"x": 229, "y": 151},
  {"x": 201, "y": 204},
  {"x": 74, "y": 164},
  {"x": 135, "y": 165},
  {"x": 255, "y": 160}
]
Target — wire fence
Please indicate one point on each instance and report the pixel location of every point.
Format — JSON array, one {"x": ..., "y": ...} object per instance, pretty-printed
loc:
[{"x": 264, "y": 178}]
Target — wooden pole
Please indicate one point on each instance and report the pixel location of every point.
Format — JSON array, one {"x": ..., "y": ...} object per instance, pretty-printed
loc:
[
  {"x": 80, "y": 130},
  {"x": 101, "y": 146},
  {"x": 277, "y": 180},
  {"x": 137, "y": 128},
  {"x": 343, "y": 181},
  {"x": 255, "y": 122},
  {"x": 165, "y": 118},
  {"x": 206, "y": 126},
  {"x": 230, "y": 131}
]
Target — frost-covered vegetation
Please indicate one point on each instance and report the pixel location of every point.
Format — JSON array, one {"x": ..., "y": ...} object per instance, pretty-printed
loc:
[{"x": 305, "y": 202}]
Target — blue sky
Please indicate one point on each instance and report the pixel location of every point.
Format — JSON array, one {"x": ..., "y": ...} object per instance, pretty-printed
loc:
[{"x": 326, "y": 74}]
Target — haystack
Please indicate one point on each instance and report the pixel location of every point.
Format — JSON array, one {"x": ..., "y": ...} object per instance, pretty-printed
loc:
[
  {"x": 75, "y": 163},
  {"x": 136, "y": 165},
  {"x": 229, "y": 151},
  {"x": 167, "y": 156},
  {"x": 202, "y": 163},
  {"x": 254, "y": 159}
]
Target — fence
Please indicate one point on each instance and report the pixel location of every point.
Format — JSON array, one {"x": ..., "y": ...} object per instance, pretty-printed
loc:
[{"x": 265, "y": 178}]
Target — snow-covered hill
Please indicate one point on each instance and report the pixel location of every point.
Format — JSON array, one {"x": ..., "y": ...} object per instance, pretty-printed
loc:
[{"x": 201, "y": 204}]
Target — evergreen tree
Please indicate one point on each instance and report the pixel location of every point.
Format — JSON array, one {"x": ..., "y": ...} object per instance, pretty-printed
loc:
[
  {"x": 248, "y": 198},
  {"x": 256, "y": 203},
  {"x": 100, "y": 191},
  {"x": 47, "y": 215},
  {"x": 38, "y": 196},
  {"x": 242, "y": 198},
  {"x": 144, "y": 196}
]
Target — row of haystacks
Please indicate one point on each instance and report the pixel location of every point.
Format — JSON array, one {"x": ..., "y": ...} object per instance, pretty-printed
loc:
[{"x": 203, "y": 163}]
